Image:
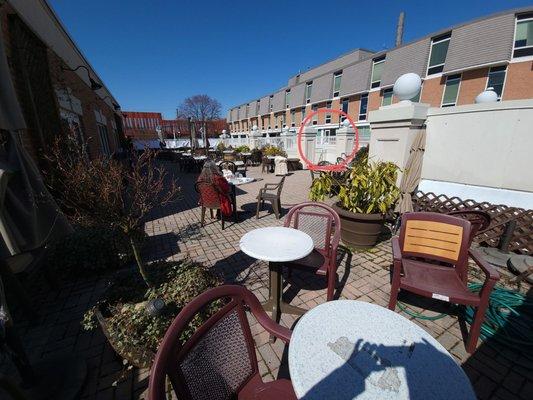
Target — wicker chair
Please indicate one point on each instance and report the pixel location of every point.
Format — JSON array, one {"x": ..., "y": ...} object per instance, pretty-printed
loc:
[
  {"x": 323, "y": 224},
  {"x": 270, "y": 192},
  {"x": 209, "y": 199},
  {"x": 430, "y": 259},
  {"x": 219, "y": 360}
]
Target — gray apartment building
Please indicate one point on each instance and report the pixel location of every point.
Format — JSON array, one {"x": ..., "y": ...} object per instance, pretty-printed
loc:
[{"x": 455, "y": 65}]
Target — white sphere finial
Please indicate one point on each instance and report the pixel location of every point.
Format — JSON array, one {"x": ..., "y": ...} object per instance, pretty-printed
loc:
[
  {"x": 254, "y": 128},
  {"x": 346, "y": 123},
  {"x": 223, "y": 131},
  {"x": 407, "y": 86},
  {"x": 487, "y": 96}
]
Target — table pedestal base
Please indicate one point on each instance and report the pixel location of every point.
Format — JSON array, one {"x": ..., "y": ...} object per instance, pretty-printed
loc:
[{"x": 275, "y": 303}]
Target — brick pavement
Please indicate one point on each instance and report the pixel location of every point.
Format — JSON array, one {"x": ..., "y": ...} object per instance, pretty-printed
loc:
[{"x": 175, "y": 233}]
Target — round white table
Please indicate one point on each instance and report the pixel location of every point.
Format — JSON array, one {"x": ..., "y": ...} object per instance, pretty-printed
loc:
[
  {"x": 349, "y": 349},
  {"x": 277, "y": 245}
]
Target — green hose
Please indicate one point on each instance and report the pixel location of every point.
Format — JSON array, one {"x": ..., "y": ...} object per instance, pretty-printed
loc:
[{"x": 508, "y": 319}]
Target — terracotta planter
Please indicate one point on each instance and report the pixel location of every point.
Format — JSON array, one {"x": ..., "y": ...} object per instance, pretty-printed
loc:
[{"x": 359, "y": 230}]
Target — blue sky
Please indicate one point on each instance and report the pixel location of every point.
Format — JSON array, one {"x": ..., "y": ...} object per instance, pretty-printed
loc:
[{"x": 153, "y": 54}]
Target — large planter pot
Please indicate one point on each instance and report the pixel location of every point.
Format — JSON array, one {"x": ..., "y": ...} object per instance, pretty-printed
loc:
[
  {"x": 359, "y": 230},
  {"x": 138, "y": 357}
]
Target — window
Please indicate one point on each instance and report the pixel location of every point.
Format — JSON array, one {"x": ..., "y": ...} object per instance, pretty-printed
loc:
[
  {"x": 314, "y": 107},
  {"x": 337, "y": 83},
  {"x": 523, "y": 40},
  {"x": 270, "y": 105},
  {"x": 102, "y": 132},
  {"x": 328, "y": 115},
  {"x": 377, "y": 69},
  {"x": 257, "y": 107},
  {"x": 451, "y": 90},
  {"x": 287, "y": 98},
  {"x": 416, "y": 99},
  {"x": 363, "y": 107},
  {"x": 303, "y": 114},
  {"x": 308, "y": 90},
  {"x": 497, "y": 79},
  {"x": 387, "y": 97},
  {"x": 293, "y": 117},
  {"x": 344, "y": 107},
  {"x": 247, "y": 110},
  {"x": 437, "y": 55}
]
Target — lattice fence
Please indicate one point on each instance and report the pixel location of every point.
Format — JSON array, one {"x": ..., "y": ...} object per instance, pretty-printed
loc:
[{"x": 522, "y": 238}]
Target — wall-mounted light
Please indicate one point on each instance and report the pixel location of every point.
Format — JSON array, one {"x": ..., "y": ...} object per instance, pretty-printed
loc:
[
  {"x": 115, "y": 105},
  {"x": 94, "y": 85}
]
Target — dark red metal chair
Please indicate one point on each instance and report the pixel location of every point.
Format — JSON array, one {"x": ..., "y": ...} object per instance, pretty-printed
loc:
[
  {"x": 219, "y": 360},
  {"x": 323, "y": 224},
  {"x": 480, "y": 220},
  {"x": 431, "y": 260}
]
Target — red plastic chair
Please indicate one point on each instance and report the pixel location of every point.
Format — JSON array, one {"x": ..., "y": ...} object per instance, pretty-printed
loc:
[
  {"x": 323, "y": 224},
  {"x": 209, "y": 199},
  {"x": 219, "y": 360},
  {"x": 431, "y": 260}
]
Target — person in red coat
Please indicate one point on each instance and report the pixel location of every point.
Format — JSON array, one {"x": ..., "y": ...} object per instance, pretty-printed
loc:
[{"x": 211, "y": 173}]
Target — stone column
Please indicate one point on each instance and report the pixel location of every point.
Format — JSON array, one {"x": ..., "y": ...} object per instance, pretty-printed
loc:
[
  {"x": 393, "y": 129},
  {"x": 345, "y": 140},
  {"x": 308, "y": 144}
]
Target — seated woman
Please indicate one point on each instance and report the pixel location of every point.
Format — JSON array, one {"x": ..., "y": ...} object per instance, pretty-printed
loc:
[{"x": 211, "y": 174}]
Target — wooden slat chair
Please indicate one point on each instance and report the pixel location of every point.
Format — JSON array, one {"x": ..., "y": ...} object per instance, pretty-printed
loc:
[
  {"x": 219, "y": 360},
  {"x": 431, "y": 260}
]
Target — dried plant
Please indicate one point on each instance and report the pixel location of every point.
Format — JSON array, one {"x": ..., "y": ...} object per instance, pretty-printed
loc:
[{"x": 108, "y": 192}]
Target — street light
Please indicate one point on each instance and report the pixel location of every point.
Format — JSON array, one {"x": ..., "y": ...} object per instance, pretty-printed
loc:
[{"x": 94, "y": 85}]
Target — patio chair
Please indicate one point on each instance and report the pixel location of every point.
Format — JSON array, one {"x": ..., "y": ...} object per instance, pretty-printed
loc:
[
  {"x": 323, "y": 224},
  {"x": 209, "y": 199},
  {"x": 229, "y": 165},
  {"x": 244, "y": 169},
  {"x": 270, "y": 192},
  {"x": 219, "y": 360},
  {"x": 480, "y": 220},
  {"x": 431, "y": 260},
  {"x": 267, "y": 164}
]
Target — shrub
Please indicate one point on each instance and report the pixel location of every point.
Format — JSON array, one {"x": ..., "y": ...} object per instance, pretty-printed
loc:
[
  {"x": 365, "y": 187},
  {"x": 221, "y": 146},
  {"x": 130, "y": 329},
  {"x": 270, "y": 150},
  {"x": 242, "y": 149},
  {"x": 90, "y": 251}
]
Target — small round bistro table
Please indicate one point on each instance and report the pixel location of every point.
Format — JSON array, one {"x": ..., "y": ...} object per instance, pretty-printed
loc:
[
  {"x": 277, "y": 245},
  {"x": 349, "y": 349}
]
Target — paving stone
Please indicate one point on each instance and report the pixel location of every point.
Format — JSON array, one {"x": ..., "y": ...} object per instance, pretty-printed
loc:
[{"x": 176, "y": 234}]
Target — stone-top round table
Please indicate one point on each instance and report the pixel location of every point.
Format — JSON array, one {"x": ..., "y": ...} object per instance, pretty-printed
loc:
[
  {"x": 348, "y": 349},
  {"x": 277, "y": 245}
]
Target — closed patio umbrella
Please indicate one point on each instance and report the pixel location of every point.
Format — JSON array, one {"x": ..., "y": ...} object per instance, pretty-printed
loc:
[{"x": 412, "y": 172}]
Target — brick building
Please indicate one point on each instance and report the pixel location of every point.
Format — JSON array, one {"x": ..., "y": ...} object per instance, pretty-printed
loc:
[
  {"x": 142, "y": 126},
  {"x": 55, "y": 85},
  {"x": 455, "y": 64}
]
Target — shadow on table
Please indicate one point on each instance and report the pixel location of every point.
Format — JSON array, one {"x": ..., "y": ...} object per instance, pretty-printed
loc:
[
  {"x": 367, "y": 365},
  {"x": 499, "y": 355},
  {"x": 297, "y": 280}
]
